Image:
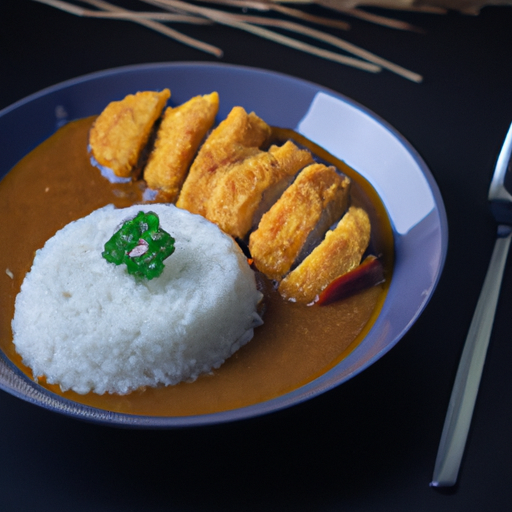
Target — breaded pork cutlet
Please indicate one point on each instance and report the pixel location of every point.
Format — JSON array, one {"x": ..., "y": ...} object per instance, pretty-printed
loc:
[
  {"x": 121, "y": 131},
  {"x": 316, "y": 200},
  {"x": 181, "y": 131},
  {"x": 340, "y": 251},
  {"x": 239, "y": 192},
  {"x": 238, "y": 136}
]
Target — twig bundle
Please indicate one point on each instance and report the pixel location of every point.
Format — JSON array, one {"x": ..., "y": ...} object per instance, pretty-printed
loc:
[{"x": 180, "y": 11}]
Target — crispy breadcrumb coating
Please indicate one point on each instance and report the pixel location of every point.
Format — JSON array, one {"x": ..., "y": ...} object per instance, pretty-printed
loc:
[
  {"x": 121, "y": 131},
  {"x": 317, "y": 198},
  {"x": 340, "y": 252},
  {"x": 182, "y": 130},
  {"x": 240, "y": 135},
  {"x": 239, "y": 191}
]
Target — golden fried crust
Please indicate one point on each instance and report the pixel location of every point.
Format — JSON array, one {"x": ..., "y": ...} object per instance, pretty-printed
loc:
[
  {"x": 236, "y": 138},
  {"x": 340, "y": 252},
  {"x": 319, "y": 195},
  {"x": 178, "y": 138},
  {"x": 239, "y": 191},
  {"x": 121, "y": 131}
]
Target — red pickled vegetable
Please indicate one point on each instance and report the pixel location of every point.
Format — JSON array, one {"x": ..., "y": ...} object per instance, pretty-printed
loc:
[{"x": 369, "y": 273}]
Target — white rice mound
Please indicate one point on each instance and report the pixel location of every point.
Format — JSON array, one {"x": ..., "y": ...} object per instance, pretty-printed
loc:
[{"x": 88, "y": 325}]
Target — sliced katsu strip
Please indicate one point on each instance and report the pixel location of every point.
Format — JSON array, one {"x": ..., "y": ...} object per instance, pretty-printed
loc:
[
  {"x": 239, "y": 192},
  {"x": 299, "y": 219},
  {"x": 239, "y": 136},
  {"x": 182, "y": 130},
  {"x": 122, "y": 130},
  {"x": 339, "y": 252}
]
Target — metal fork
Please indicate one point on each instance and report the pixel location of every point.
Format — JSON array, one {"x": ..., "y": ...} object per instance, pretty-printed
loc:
[{"x": 467, "y": 380}]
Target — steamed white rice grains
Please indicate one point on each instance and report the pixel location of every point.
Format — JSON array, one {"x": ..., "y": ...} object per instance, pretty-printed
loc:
[{"x": 88, "y": 325}]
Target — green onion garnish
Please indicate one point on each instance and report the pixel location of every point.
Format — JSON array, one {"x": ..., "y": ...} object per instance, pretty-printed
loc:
[{"x": 142, "y": 245}]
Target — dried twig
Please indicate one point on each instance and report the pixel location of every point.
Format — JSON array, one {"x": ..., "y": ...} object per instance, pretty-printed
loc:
[
  {"x": 379, "y": 20},
  {"x": 235, "y": 22},
  {"x": 132, "y": 16},
  {"x": 334, "y": 41},
  {"x": 269, "y": 5},
  {"x": 335, "y": 5},
  {"x": 367, "y": 16},
  {"x": 124, "y": 14}
]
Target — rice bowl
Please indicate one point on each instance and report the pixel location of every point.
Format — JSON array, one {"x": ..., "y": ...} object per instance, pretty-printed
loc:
[{"x": 88, "y": 325}]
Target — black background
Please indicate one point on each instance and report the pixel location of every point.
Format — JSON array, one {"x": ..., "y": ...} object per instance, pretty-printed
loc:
[{"x": 371, "y": 443}]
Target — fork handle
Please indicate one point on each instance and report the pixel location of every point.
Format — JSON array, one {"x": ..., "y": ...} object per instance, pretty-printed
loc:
[{"x": 469, "y": 373}]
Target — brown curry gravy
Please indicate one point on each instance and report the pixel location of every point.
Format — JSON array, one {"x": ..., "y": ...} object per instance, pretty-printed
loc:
[{"x": 55, "y": 184}]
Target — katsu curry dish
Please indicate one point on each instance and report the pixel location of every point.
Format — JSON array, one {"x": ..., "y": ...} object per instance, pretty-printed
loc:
[{"x": 165, "y": 261}]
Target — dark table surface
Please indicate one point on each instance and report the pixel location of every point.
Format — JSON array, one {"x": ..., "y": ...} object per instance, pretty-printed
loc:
[{"x": 371, "y": 443}]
